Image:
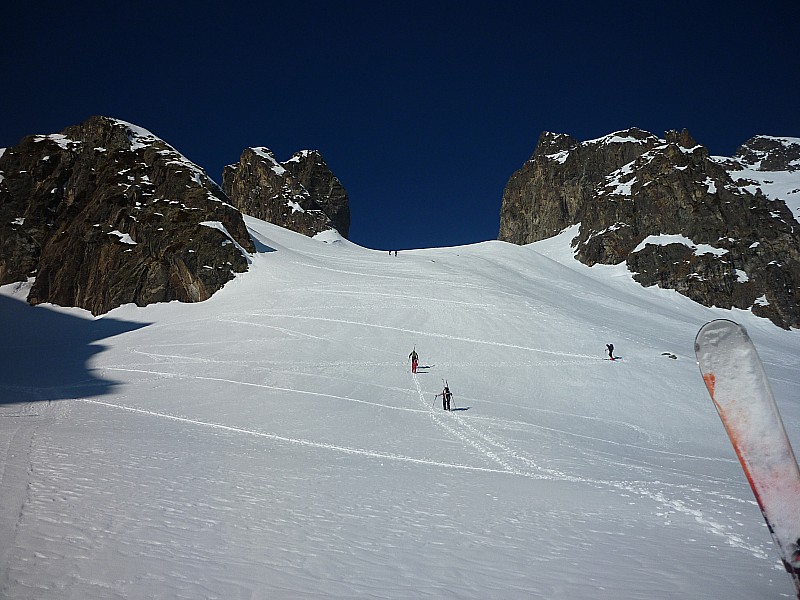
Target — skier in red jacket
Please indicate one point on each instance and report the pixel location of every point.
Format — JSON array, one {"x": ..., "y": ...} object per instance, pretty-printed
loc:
[{"x": 414, "y": 360}]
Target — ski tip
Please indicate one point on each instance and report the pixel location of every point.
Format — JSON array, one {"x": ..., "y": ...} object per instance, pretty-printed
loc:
[{"x": 717, "y": 331}]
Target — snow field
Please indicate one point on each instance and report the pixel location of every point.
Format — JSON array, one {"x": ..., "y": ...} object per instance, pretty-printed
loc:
[{"x": 272, "y": 443}]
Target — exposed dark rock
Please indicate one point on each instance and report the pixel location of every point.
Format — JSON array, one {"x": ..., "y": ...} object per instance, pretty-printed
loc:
[
  {"x": 553, "y": 189},
  {"x": 310, "y": 170},
  {"x": 301, "y": 194},
  {"x": 679, "y": 218},
  {"x": 105, "y": 213},
  {"x": 767, "y": 153}
]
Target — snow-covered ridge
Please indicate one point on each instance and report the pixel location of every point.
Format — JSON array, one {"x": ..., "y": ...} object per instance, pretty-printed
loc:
[
  {"x": 622, "y": 137},
  {"x": 617, "y": 137},
  {"x": 666, "y": 239},
  {"x": 299, "y": 155},
  {"x": 785, "y": 141},
  {"x": 781, "y": 186},
  {"x": 59, "y": 139},
  {"x": 221, "y": 227},
  {"x": 269, "y": 156},
  {"x": 559, "y": 157},
  {"x": 141, "y": 138}
]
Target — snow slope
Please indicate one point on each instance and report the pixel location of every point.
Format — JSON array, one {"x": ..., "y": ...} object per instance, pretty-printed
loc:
[{"x": 271, "y": 442}]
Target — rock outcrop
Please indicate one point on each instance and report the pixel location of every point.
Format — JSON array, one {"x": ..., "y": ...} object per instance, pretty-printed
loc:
[
  {"x": 301, "y": 194},
  {"x": 553, "y": 189},
  {"x": 105, "y": 213},
  {"x": 718, "y": 230}
]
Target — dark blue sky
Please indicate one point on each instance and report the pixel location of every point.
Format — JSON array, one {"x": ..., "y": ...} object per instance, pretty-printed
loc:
[{"x": 422, "y": 109}]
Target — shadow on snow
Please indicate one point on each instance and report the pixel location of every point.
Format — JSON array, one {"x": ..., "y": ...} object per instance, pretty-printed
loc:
[{"x": 45, "y": 353}]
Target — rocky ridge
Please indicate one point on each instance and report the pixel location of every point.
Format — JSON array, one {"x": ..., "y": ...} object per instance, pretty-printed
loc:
[
  {"x": 300, "y": 194},
  {"x": 722, "y": 231},
  {"x": 106, "y": 213}
]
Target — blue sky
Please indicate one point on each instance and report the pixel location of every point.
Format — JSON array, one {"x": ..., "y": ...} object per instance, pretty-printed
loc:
[{"x": 423, "y": 110}]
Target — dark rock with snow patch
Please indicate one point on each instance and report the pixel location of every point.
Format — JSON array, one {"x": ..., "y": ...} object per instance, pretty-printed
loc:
[
  {"x": 301, "y": 194},
  {"x": 718, "y": 230},
  {"x": 553, "y": 189},
  {"x": 105, "y": 213},
  {"x": 769, "y": 153}
]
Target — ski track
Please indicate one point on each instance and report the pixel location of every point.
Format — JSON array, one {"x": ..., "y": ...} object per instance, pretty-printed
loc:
[
  {"x": 631, "y": 426},
  {"x": 603, "y": 440},
  {"x": 357, "y": 273},
  {"x": 274, "y": 327},
  {"x": 526, "y": 466},
  {"x": 258, "y": 385},
  {"x": 433, "y": 335},
  {"x": 189, "y": 359},
  {"x": 433, "y": 280},
  {"x": 295, "y": 441},
  {"x": 510, "y": 461},
  {"x": 399, "y": 297}
]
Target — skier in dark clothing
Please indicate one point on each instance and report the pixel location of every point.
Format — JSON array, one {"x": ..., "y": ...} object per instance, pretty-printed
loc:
[
  {"x": 446, "y": 396},
  {"x": 610, "y": 348}
]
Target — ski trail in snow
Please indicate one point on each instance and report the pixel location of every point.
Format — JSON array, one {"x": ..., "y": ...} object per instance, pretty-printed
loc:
[
  {"x": 505, "y": 456},
  {"x": 489, "y": 446},
  {"x": 401, "y": 277},
  {"x": 258, "y": 385},
  {"x": 603, "y": 440},
  {"x": 275, "y": 327},
  {"x": 394, "y": 276},
  {"x": 399, "y": 297},
  {"x": 433, "y": 335},
  {"x": 511, "y": 453},
  {"x": 296, "y": 441},
  {"x": 483, "y": 444},
  {"x": 640, "y": 430}
]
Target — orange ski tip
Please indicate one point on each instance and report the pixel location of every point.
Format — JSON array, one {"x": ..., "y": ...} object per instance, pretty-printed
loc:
[{"x": 710, "y": 381}]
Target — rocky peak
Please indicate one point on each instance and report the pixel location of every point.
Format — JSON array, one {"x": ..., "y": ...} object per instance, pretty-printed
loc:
[
  {"x": 682, "y": 139},
  {"x": 301, "y": 194},
  {"x": 767, "y": 153},
  {"x": 552, "y": 190},
  {"x": 310, "y": 170},
  {"x": 106, "y": 213},
  {"x": 552, "y": 144},
  {"x": 677, "y": 217}
]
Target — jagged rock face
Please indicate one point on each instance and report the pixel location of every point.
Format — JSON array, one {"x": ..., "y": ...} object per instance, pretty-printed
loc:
[
  {"x": 301, "y": 194},
  {"x": 767, "y": 153},
  {"x": 717, "y": 230},
  {"x": 553, "y": 189},
  {"x": 310, "y": 170},
  {"x": 105, "y": 213}
]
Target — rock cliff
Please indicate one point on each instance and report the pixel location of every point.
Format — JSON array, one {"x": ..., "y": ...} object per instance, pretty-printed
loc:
[
  {"x": 722, "y": 231},
  {"x": 105, "y": 213},
  {"x": 301, "y": 194}
]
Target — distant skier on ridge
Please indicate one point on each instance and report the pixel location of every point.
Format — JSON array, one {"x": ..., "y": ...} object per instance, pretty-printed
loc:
[
  {"x": 414, "y": 360},
  {"x": 610, "y": 348}
]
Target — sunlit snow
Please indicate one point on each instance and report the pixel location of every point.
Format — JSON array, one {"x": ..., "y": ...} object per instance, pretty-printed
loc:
[
  {"x": 271, "y": 442},
  {"x": 666, "y": 239}
]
